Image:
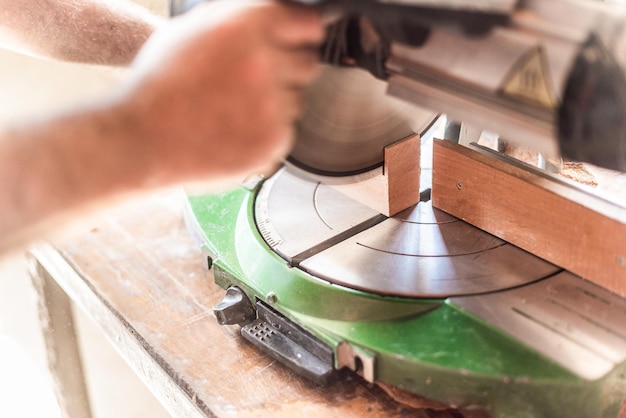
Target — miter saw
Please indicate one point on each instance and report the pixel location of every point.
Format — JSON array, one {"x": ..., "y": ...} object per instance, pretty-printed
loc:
[{"x": 408, "y": 295}]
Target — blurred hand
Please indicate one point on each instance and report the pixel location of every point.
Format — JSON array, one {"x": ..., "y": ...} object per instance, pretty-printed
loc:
[{"x": 216, "y": 91}]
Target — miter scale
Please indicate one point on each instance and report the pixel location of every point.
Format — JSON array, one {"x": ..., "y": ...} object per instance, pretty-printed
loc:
[{"x": 417, "y": 298}]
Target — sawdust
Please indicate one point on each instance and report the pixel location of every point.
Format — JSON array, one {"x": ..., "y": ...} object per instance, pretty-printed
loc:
[
  {"x": 579, "y": 173},
  {"x": 435, "y": 409},
  {"x": 572, "y": 170},
  {"x": 527, "y": 155}
]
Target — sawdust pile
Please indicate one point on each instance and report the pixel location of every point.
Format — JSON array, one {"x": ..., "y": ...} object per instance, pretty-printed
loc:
[
  {"x": 431, "y": 409},
  {"x": 575, "y": 171}
]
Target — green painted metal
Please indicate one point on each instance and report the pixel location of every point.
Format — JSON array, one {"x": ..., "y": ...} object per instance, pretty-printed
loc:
[
  {"x": 430, "y": 347},
  {"x": 241, "y": 252}
]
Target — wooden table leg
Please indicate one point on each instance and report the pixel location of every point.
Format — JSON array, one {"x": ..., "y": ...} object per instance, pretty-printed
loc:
[{"x": 63, "y": 354}]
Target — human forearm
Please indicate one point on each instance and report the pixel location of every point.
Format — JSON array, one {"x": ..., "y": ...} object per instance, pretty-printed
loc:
[
  {"x": 86, "y": 31},
  {"x": 211, "y": 97},
  {"x": 56, "y": 169}
]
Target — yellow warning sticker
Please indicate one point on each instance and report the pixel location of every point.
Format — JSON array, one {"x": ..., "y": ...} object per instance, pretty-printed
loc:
[{"x": 530, "y": 80}]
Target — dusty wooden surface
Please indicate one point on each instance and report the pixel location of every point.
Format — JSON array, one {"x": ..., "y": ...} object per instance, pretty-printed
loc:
[
  {"x": 557, "y": 222},
  {"x": 140, "y": 276}
]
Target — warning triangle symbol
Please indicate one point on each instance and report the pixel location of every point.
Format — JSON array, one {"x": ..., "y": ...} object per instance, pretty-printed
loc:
[{"x": 530, "y": 80}]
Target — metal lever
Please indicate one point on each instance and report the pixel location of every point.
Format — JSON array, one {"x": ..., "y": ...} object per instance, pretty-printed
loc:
[{"x": 235, "y": 308}]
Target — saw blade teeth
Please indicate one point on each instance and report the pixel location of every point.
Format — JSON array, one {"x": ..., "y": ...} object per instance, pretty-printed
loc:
[{"x": 348, "y": 120}]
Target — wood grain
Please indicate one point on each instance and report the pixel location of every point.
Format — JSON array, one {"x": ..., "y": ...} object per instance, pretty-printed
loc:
[
  {"x": 542, "y": 214},
  {"x": 388, "y": 189},
  {"x": 62, "y": 352},
  {"x": 139, "y": 275}
]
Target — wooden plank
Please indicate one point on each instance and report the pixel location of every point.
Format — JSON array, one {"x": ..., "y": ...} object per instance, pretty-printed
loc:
[
  {"x": 391, "y": 188},
  {"x": 122, "y": 336},
  {"x": 402, "y": 170},
  {"x": 540, "y": 213},
  {"x": 56, "y": 321},
  {"x": 138, "y": 274}
]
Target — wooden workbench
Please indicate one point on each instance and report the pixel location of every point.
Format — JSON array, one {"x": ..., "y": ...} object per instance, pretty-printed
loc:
[{"x": 139, "y": 275}]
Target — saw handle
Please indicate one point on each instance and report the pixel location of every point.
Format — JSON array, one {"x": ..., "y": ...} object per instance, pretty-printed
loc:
[
  {"x": 399, "y": 17},
  {"x": 178, "y": 7}
]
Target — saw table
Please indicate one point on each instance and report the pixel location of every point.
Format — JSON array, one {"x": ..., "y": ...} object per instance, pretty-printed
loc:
[{"x": 136, "y": 274}]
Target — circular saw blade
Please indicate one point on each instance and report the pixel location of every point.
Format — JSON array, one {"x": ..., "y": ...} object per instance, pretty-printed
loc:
[
  {"x": 421, "y": 252},
  {"x": 348, "y": 121}
]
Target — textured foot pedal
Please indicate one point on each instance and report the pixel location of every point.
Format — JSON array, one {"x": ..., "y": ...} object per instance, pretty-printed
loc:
[{"x": 291, "y": 345}]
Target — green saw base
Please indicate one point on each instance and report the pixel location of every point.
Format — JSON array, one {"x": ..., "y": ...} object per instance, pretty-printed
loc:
[{"x": 429, "y": 347}]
